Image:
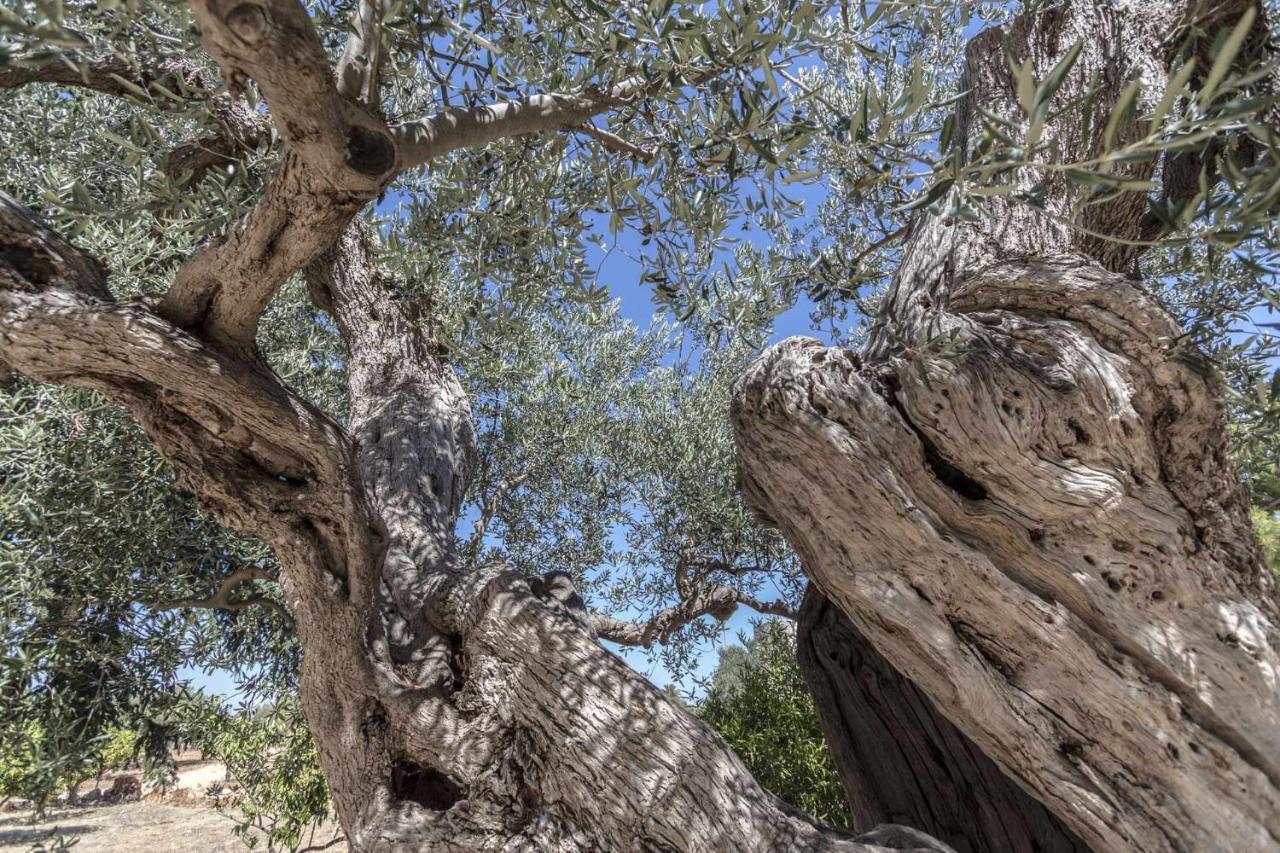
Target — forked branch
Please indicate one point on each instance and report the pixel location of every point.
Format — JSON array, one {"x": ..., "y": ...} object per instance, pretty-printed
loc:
[
  {"x": 223, "y": 598},
  {"x": 719, "y": 602}
]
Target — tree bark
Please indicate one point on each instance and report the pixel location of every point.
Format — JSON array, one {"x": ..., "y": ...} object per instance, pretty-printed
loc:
[
  {"x": 902, "y": 761},
  {"x": 1042, "y": 529},
  {"x": 454, "y": 708}
]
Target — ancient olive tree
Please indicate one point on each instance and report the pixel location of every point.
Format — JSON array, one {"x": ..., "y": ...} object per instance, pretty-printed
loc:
[
  {"x": 1032, "y": 552},
  {"x": 455, "y": 704}
]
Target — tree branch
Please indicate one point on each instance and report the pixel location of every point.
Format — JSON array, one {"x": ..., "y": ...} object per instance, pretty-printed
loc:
[
  {"x": 505, "y": 487},
  {"x": 108, "y": 75},
  {"x": 717, "y": 601},
  {"x": 612, "y": 142},
  {"x": 240, "y": 127},
  {"x": 221, "y": 598},
  {"x": 461, "y": 127},
  {"x": 260, "y": 458},
  {"x": 360, "y": 66},
  {"x": 339, "y": 156}
]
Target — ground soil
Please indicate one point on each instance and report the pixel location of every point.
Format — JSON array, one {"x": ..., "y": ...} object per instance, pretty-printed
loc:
[{"x": 179, "y": 820}]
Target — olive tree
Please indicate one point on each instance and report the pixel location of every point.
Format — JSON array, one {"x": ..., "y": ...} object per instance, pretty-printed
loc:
[
  {"x": 455, "y": 703},
  {"x": 462, "y": 702}
]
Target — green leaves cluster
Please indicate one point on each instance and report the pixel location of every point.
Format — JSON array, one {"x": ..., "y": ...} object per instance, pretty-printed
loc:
[
  {"x": 280, "y": 795},
  {"x": 759, "y": 704}
]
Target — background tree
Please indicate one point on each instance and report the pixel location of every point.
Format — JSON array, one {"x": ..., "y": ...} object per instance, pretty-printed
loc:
[{"x": 759, "y": 703}]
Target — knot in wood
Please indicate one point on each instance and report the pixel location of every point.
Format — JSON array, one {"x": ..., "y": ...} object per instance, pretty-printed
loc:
[{"x": 248, "y": 22}]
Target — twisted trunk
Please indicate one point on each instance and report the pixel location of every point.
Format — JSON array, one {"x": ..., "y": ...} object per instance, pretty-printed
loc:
[{"x": 1040, "y": 529}]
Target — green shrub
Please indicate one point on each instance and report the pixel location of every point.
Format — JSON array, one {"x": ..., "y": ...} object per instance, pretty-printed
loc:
[
  {"x": 761, "y": 706},
  {"x": 1268, "y": 527}
]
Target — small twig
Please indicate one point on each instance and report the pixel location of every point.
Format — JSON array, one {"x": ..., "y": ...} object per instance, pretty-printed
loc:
[
  {"x": 505, "y": 487},
  {"x": 618, "y": 145}
]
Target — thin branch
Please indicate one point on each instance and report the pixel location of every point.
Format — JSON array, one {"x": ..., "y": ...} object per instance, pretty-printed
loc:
[
  {"x": 505, "y": 486},
  {"x": 618, "y": 145},
  {"x": 809, "y": 92},
  {"x": 222, "y": 598},
  {"x": 717, "y": 601}
]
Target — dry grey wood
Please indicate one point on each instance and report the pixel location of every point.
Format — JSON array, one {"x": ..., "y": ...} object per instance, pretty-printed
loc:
[{"x": 1045, "y": 533}]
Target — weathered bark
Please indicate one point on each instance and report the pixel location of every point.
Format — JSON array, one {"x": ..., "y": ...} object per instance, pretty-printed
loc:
[
  {"x": 1043, "y": 531},
  {"x": 900, "y": 759}
]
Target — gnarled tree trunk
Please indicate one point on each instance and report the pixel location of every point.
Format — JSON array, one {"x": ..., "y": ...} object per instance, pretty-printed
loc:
[
  {"x": 453, "y": 710},
  {"x": 1042, "y": 530}
]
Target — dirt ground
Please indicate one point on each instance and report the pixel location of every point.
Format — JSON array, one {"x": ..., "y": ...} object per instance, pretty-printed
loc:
[
  {"x": 184, "y": 821},
  {"x": 133, "y": 828}
]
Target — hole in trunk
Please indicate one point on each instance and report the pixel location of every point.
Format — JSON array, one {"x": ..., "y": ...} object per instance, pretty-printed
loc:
[
  {"x": 370, "y": 152},
  {"x": 425, "y": 786},
  {"x": 951, "y": 476},
  {"x": 31, "y": 266},
  {"x": 946, "y": 473}
]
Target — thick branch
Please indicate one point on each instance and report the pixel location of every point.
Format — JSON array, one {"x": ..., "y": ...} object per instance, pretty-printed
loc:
[
  {"x": 410, "y": 418},
  {"x": 240, "y": 128},
  {"x": 459, "y": 127},
  {"x": 1039, "y": 524},
  {"x": 109, "y": 75},
  {"x": 717, "y": 601},
  {"x": 258, "y": 456},
  {"x": 359, "y": 67},
  {"x": 339, "y": 157}
]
